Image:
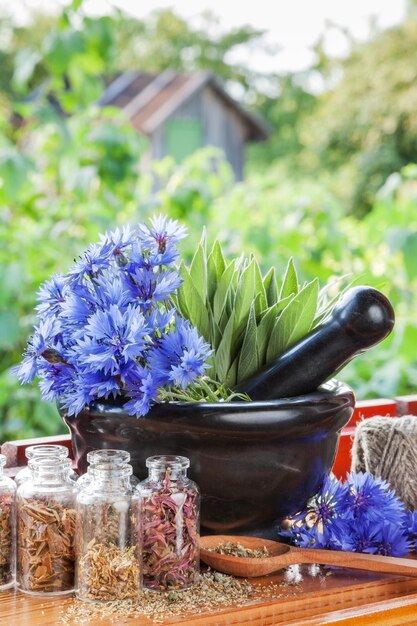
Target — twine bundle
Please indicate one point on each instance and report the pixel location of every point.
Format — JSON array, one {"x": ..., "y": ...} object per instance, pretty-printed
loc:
[{"x": 386, "y": 447}]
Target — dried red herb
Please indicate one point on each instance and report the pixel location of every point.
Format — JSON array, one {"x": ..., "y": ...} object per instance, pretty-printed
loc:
[
  {"x": 45, "y": 548},
  {"x": 6, "y": 539},
  {"x": 170, "y": 536}
]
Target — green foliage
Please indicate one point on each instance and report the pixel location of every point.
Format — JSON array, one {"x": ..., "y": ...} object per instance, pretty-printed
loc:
[
  {"x": 286, "y": 107},
  {"x": 164, "y": 40},
  {"x": 65, "y": 178},
  {"x": 238, "y": 311},
  {"x": 369, "y": 116}
]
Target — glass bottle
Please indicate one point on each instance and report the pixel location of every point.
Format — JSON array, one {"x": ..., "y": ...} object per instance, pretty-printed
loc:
[
  {"x": 38, "y": 451},
  {"x": 46, "y": 528},
  {"x": 170, "y": 524},
  {"x": 7, "y": 528},
  {"x": 108, "y": 535},
  {"x": 107, "y": 455}
]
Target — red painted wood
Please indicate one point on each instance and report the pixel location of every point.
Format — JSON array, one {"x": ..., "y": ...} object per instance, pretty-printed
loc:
[
  {"x": 370, "y": 408},
  {"x": 364, "y": 409},
  {"x": 15, "y": 450},
  {"x": 407, "y": 405},
  {"x": 343, "y": 458}
]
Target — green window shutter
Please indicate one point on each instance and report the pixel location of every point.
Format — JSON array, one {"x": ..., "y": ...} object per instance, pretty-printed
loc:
[{"x": 183, "y": 137}]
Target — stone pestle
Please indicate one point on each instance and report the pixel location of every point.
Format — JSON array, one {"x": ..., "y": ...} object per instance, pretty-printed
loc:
[{"x": 362, "y": 318}]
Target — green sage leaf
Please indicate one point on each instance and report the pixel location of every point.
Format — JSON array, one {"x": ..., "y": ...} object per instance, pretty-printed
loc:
[
  {"x": 198, "y": 272},
  {"x": 295, "y": 320},
  {"x": 290, "y": 282},
  {"x": 249, "y": 360},
  {"x": 271, "y": 287}
]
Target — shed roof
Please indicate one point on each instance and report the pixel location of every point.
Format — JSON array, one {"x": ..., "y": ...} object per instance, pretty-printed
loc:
[{"x": 149, "y": 100}]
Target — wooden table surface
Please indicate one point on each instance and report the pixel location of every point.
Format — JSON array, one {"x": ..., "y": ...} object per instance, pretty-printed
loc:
[{"x": 322, "y": 596}]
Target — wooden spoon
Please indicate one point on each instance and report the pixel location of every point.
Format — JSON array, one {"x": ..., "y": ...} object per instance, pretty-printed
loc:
[{"x": 283, "y": 555}]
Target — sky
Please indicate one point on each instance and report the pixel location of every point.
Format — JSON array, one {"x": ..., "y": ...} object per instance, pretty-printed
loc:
[{"x": 294, "y": 26}]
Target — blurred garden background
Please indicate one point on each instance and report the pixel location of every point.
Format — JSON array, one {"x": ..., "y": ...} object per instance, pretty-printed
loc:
[{"x": 334, "y": 185}]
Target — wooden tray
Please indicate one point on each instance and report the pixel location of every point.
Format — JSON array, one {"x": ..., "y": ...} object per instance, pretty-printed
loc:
[{"x": 323, "y": 596}]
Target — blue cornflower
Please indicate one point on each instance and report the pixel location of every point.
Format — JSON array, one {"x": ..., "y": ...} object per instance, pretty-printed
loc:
[
  {"x": 164, "y": 234},
  {"x": 111, "y": 291},
  {"x": 43, "y": 339},
  {"x": 329, "y": 504},
  {"x": 51, "y": 295},
  {"x": 372, "y": 498},
  {"x": 56, "y": 380},
  {"x": 305, "y": 537},
  {"x": 191, "y": 364},
  {"x": 376, "y": 538},
  {"x": 159, "y": 320},
  {"x": 90, "y": 264},
  {"x": 78, "y": 395},
  {"x": 360, "y": 537},
  {"x": 114, "y": 243},
  {"x": 181, "y": 354},
  {"x": 100, "y": 323},
  {"x": 148, "y": 288},
  {"x": 118, "y": 239},
  {"x": 392, "y": 541},
  {"x": 100, "y": 385},
  {"x": 142, "y": 388},
  {"x": 112, "y": 338},
  {"x": 361, "y": 515}
]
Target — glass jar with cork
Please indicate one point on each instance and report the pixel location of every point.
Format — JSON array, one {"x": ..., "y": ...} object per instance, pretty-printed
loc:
[
  {"x": 40, "y": 451},
  {"x": 46, "y": 528},
  {"x": 108, "y": 534},
  {"x": 170, "y": 524},
  {"x": 106, "y": 455}
]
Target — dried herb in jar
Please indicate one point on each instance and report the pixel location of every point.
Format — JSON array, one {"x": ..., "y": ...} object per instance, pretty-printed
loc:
[
  {"x": 6, "y": 538},
  {"x": 107, "y": 572},
  {"x": 108, "y": 563},
  {"x": 45, "y": 555},
  {"x": 170, "y": 535}
]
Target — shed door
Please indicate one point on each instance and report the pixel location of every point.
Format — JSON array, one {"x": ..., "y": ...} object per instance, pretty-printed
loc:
[{"x": 183, "y": 137}]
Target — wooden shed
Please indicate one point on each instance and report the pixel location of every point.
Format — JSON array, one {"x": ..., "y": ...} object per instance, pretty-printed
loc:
[{"x": 180, "y": 113}]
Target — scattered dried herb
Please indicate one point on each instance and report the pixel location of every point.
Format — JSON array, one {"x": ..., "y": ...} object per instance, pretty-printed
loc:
[
  {"x": 236, "y": 549},
  {"x": 45, "y": 554},
  {"x": 170, "y": 536},
  {"x": 106, "y": 572},
  {"x": 213, "y": 592},
  {"x": 6, "y": 539}
]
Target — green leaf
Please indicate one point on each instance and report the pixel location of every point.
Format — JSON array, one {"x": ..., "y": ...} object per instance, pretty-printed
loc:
[
  {"x": 249, "y": 360},
  {"x": 290, "y": 282},
  {"x": 198, "y": 272},
  {"x": 218, "y": 259},
  {"x": 245, "y": 293},
  {"x": 215, "y": 332},
  {"x": 266, "y": 326},
  {"x": 259, "y": 287},
  {"x": 222, "y": 357},
  {"x": 219, "y": 300},
  {"x": 212, "y": 279},
  {"x": 231, "y": 377},
  {"x": 295, "y": 320},
  {"x": 190, "y": 299},
  {"x": 271, "y": 287}
]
